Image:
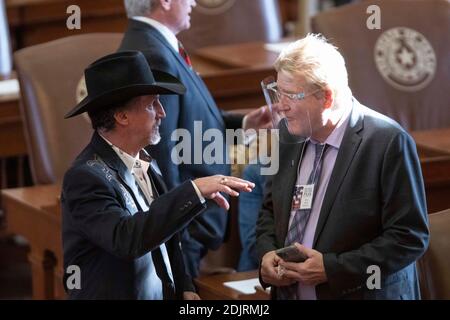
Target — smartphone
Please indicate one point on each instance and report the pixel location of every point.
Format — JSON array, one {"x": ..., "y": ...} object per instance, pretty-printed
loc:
[{"x": 291, "y": 254}]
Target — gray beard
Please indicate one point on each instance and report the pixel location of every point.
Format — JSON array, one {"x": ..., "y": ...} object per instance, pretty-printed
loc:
[{"x": 156, "y": 138}]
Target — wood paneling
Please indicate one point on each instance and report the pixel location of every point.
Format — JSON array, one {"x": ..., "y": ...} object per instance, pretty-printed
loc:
[{"x": 37, "y": 21}]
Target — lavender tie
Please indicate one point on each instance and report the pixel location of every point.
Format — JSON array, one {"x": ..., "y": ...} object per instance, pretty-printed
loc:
[{"x": 297, "y": 228}]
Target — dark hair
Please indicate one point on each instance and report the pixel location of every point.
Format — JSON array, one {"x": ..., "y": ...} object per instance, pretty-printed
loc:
[{"x": 104, "y": 117}]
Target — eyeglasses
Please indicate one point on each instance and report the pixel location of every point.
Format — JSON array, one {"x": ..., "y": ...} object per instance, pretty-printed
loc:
[{"x": 294, "y": 97}]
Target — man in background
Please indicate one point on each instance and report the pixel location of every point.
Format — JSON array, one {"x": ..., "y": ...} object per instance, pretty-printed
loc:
[{"x": 153, "y": 27}]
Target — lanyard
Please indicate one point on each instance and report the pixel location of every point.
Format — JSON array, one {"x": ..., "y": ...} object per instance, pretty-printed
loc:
[{"x": 301, "y": 160}]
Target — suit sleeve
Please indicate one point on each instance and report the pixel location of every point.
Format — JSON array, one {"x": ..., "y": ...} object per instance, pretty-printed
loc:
[
  {"x": 265, "y": 227},
  {"x": 404, "y": 234},
  {"x": 95, "y": 209}
]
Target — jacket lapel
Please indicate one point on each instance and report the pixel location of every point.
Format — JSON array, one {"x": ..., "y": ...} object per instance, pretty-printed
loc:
[
  {"x": 347, "y": 150},
  {"x": 157, "y": 182},
  {"x": 287, "y": 178},
  {"x": 112, "y": 160},
  {"x": 196, "y": 80}
]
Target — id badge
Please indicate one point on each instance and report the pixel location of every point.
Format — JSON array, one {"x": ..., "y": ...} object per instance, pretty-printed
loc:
[
  {"x": 307, "y": 197},
  {"x": 297, "y": 198}
]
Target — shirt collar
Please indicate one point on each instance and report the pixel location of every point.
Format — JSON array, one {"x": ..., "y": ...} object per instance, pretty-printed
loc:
[
  {"x": 336, "y": 136},
  {"x": 166, "y": 32},
  {"x": 130, "y": 162}
]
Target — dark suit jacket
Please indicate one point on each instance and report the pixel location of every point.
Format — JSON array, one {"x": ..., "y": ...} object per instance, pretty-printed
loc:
[
  {"x": 107, "y": 234},
  {"x": 196, "y": 105},
  {"x": 373, "y": 213}
]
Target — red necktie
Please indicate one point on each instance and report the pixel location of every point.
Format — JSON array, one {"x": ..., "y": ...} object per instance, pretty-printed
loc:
[{"x": 184, "y": 54}]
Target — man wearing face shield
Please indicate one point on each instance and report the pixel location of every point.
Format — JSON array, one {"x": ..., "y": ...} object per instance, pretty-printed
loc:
[{"x": 349, "y": 193}]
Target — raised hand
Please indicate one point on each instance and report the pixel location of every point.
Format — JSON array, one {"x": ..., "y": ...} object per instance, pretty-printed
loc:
[{"x": 211, "y": 187}]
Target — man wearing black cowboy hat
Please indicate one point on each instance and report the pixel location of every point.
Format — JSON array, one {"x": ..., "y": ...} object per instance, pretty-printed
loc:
[{"x": 120, "y": 224}]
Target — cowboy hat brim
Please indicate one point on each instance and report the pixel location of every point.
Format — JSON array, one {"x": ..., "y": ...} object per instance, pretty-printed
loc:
[{"x": 128, "y": 92}]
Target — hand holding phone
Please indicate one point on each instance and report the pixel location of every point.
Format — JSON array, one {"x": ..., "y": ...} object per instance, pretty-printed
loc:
[{"x": 291, "y": 254}]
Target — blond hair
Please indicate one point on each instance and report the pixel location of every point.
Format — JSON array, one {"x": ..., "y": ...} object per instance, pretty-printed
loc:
[{"x": 318, "y": 61}]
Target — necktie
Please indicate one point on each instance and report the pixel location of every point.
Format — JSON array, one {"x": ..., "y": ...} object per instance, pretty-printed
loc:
[
  {"x": 184, "y": 54},
  {"x": 301, "y": 218}
]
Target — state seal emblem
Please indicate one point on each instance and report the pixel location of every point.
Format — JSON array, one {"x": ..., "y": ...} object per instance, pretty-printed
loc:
[
  {"x": 405, "y": 59},
  {"x": 214, "y": 7}
]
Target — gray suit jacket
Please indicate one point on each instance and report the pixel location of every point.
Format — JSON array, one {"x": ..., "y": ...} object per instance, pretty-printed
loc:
[{"x": 374, "y": 210}]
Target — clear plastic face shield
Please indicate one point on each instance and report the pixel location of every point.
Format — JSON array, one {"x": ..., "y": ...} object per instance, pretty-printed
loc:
[{"x": 288, "y": 115}]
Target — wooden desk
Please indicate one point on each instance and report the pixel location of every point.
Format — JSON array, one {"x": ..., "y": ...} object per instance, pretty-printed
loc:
[
  {"x": 212, "y": 287},
  {"x": 436, "y": 174},
  {"x": 244, "y": 55},
  {"x": 233, "y": 73},
  {"x": 30, "y": 212},
  {"x": 13, "y": 148},
  {"x": 12, "y": 141},
  {"x": 437, "y": 140},
  {"x": 434, "y": 152}
]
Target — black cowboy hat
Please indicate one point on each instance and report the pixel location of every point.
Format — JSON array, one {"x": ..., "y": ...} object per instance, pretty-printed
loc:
[{"x": 121, "y": 76}]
